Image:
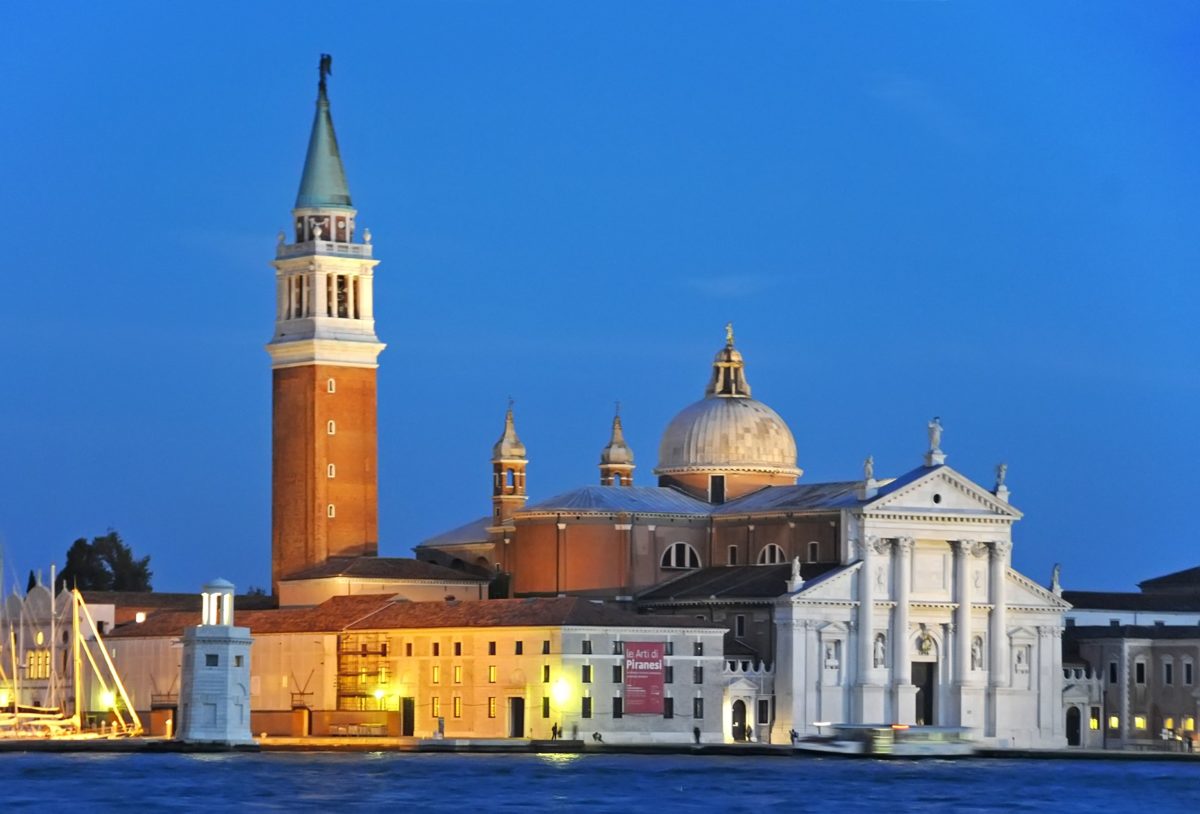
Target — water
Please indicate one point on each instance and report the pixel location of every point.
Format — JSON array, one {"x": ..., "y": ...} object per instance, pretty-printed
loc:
[{"x": 596, "y": 783}]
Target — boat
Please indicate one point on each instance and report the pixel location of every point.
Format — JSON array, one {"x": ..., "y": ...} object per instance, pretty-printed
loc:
[{"x": 889, "y": 740}]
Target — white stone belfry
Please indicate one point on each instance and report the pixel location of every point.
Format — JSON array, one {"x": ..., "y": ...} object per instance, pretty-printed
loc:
[{"x": 214, "y": 697}]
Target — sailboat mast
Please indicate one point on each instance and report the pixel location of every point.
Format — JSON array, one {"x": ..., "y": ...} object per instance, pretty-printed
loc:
[
  {"x": 54, "y": 685},
  {"x": 77, "y": 661}
]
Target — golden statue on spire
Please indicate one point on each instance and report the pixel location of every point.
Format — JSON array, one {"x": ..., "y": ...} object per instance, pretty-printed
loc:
[{"x": 729, "y": 334}]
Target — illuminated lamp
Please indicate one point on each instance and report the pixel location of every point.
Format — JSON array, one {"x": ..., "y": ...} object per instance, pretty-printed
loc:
[
  {"x": 561, "y": 693},
  {"x": 107, "y": 699}
]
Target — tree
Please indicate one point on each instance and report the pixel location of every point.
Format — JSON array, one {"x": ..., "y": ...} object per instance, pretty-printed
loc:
[{"x": 105, "y": 564}]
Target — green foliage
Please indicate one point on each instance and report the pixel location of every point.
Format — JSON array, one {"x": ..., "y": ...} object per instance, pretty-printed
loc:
[
  {"x": 255, "y": 590},
  {"x": 105, "y": 564}
]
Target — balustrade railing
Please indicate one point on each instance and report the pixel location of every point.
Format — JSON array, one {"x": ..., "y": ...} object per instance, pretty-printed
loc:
[{"x": 324, "y": 247}]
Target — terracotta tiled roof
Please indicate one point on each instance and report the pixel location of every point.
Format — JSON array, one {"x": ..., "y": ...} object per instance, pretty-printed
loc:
[
  {"x": 381, "y": 612},
  {"x": 398, "y": 568},
  {"x": 149, "y": 600}
]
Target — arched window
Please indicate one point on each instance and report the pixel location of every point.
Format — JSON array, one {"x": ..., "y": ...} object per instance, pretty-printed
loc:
[
  {"x": 330, "y": 386},
  {"x": 680, "y": 555},
  {"x": 616, "y": 479},
  {"x": 510, "y": 479},
  {"x": 814, "y": 551},
  {"x": 771, "y": 555},
  {"x": 330, "y": 511},
  {"x": 331, "y": 428},
  {"x": 331, "y": 471}
]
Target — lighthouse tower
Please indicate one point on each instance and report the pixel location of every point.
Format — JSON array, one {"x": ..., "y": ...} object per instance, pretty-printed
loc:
[{"x": 323, "y": 357}]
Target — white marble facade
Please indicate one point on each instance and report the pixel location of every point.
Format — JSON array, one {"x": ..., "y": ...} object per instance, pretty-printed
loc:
[{"x": 925, "y": 622}]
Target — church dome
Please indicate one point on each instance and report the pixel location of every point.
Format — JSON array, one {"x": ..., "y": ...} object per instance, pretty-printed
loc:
[{"x": 727, "y": 431}]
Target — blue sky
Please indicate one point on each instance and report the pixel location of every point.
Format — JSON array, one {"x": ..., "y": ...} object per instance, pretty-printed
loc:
[{"x": 987, "y": 212}]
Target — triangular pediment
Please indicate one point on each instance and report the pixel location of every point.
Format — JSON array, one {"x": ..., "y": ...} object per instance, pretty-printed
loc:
[
  {"x": 835, "y": 586},
  {"x": 939, "y": 489},
  {"x": 1021, "y": 591}
]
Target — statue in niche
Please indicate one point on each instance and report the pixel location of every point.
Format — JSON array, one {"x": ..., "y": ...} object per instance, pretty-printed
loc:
[
  {"x": 1021, "y": 661},
  {"x": 977, "y": 653},
  {"x": 978, "y": 579},
  {"x": 935, "y": 434},
  {"x": 831, "y": 655},
  {"x": 880, "y": 649},
  {"x": 880, "y": 578},
  {"x": 924, "y": 642}
]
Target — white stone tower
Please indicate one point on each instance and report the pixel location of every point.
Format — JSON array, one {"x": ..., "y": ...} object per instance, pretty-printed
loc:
[{"x": 214, "y": 696}]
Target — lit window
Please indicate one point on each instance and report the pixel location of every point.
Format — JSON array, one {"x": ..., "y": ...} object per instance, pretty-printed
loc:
[
  {"x": 491, "y": 674},
  {"x": 771, "y": 555},
  {"x": 1189, "y": 723},
  {"x": 437, "y": 674},
  {"x": 1094, "y": 720},
  {"x": 330, "y": 511},
  {"x": 458, "y": 674},
  {"x": 457, "y": 706},
  {"x": 331, "y": 471},
  {"x": 331, "y": 427},
  {"x": 492, "y": 706},
  {"x": 1139, "y": 721},
  {"x": 330, "y": 386},
  {"x": 139, "y": 617},
  {"x": 1114, "y": 722},
  {"x": 435, "y": 706},
  {"x": 680, "y": 555},
  {"x": 1168, "y": 723}
]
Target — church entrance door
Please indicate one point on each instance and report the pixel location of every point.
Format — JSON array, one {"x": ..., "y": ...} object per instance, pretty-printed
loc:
[
  {"x": 1073, "y": 726},
  {"x": 516, "y": 717},
  {"x": 739, "y": 720},
  {"x": 924, "y": 675}
]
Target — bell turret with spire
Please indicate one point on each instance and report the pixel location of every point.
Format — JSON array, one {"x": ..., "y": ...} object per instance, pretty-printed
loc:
[
  {"x": 324, "y": 357},
  {"x": 616, "y": 459},
  {"x": 508, "y": 472}
]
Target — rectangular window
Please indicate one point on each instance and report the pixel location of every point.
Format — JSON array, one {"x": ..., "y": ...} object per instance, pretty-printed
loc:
[
  {"x": 732, "y": 555},
  {"x": 435, "y": 706},
  {"x": 1168, "y": 675},
  {"x": 697, "y": 674},
  {"x": 545, "y": 673},
  {"x": 618, "y": 648},
  {"x": 586, "y": 647},
  {"x": 1139, "y": 721},
  {"x": 546, "y": 706},
  {"x": 491, "y": 674},
  {"x": 408, "y": 649},
  {"x": 1168, "y": 723},
  {"x": 669, "y": 674},
  {"x": 492, "y": 706},
  {"x": 1187, "y": 673},
  {"x": 383, "y": 674},
  {"x": 457, "y": 706},
  {"x": 1139, "y": 672},
  {"x": 668, "y": 707},
  {"x": 458, "y": 648},
  {"x": 437, "y": 649},
  {"x": 764, "y": 711},
  {"x": 1094, "y": 720},
  {"x": 1112, "y": 672},
  {"x": 518, "y": 648},
  {"x": 437, "y": 674},
  {"x": 1189, "y": 723},
  {"x": 586, "y": 674},
  {"x": 716, "y": 488},
  {"x": 616, "y": 674},
  {"x": 669, "y": 648},
  {"x": 545, "y": 647},
  {"x": 814, "y": 552},
  {"x": 698, "y": 649},
  {"x": 491, "y": 648},
  {"x": 587, "y": 707},
  {"x": 697, "y": 707},
  {"x": 739, "y": 626},
  {"x": 211, "y": 660},
  {"x": 618, "y": 706},
  {"x": 1114, "y": 722},
  {"x": 458, "y": 674},
  {"x": 238, "y": 661},
  {"x": 1114, "y": 622}
]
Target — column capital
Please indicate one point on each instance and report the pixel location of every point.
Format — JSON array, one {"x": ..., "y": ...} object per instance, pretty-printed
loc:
[
  {"x": 963, "y": 547},
  {"x": 904, "y": 545},
  {"x": 1001, "y": 548}
]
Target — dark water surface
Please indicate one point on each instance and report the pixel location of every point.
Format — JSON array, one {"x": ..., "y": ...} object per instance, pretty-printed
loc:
[{"x": 599, "y": 783}]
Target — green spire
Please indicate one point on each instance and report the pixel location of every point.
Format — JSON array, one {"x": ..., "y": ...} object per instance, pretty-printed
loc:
[{"x": 324, "y": 181}]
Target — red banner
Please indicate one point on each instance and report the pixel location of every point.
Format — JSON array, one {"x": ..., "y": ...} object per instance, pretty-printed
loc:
[{"x": 644, "y": 678}]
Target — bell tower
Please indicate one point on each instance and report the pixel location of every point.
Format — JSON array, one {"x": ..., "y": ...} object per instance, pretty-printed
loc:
[
  {"x": 508, "y": 472},
  {"x": 616, "y": 459},
  {"x": 323, "y": 358}
]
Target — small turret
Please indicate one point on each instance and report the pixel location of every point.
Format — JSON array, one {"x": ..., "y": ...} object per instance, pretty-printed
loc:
[{"x": 616, "y": 459}]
